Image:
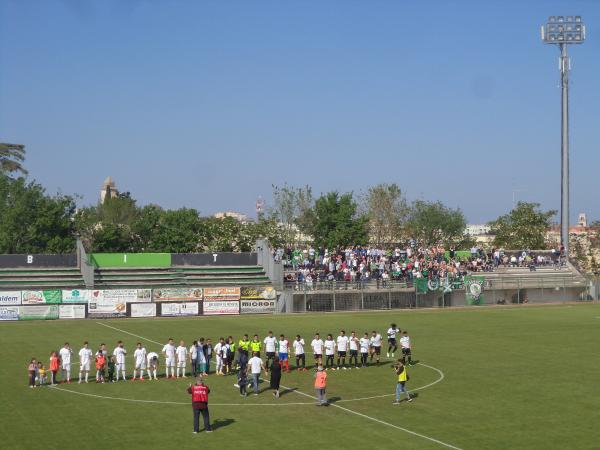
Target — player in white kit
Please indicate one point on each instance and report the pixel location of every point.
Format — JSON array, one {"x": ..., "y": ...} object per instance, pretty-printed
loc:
[
  {"x": 342, "y": 346},
  {"x": 85, "y": 358},
  {"x": 152, "y": 364},
  {"x": 364, "y": 349},
  {"x": 392, "y": 331},
  {"x": 139, "y": 357},
  {"x": 317, "y": 346},
  {"x": 119, "y": 354},
  {"x": 218, "y": 351},
  {"x": 169, "y": 353},
  {"x": 182, "y": 355},
  {"x": 65, "y": 362},
  {"x": 375, "y": 343}
]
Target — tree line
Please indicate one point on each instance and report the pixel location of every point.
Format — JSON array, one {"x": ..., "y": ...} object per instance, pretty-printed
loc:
[{"x": 34, "y": 221}]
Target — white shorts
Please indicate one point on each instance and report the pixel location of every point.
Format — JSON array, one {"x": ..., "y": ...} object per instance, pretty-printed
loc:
[
  {"x": 140, "y": 365},
  {"x": 181, "y": 364},
  {"x": 170, "y": 362},
  {"x": 84, "y": 367},
  {"x": 65, "y": 366},
  {"x": 120, "y": 366}
]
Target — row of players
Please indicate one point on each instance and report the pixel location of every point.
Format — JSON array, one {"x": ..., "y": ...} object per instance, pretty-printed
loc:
[{"x": 200, "y": 353}]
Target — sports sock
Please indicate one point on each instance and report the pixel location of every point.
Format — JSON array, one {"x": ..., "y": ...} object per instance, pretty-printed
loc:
[
  {"x": 80, "y": 377},
  {"x": 68, "y": 375},
  {"x": 86, "y": 376},
  {"x": 142, "y": 374}
]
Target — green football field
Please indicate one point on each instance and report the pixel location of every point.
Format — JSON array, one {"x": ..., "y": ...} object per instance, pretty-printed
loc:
[{"x": 488, "y": 378}]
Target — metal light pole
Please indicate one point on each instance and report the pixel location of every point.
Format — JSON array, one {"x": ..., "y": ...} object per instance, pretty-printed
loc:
[{"x": 564, "y": 30}]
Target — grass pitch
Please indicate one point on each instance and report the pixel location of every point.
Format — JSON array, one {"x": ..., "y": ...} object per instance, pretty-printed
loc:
[{"x": 514, "y": 377}]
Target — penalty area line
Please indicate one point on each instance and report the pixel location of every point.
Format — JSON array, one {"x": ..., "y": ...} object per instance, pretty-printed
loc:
[{"x": 130, "y": 334}]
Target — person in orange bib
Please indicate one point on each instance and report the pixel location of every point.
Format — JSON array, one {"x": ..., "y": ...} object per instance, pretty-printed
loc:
[
  {"x": 100, "y": 364},
  {"x": 54, "y": 366},
  {"x": 320, "y": 386},
  {"x": 199, "y": 392}
]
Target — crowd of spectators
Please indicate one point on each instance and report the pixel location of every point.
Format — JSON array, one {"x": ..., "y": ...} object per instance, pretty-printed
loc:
[{"x": 363, "y": 264}]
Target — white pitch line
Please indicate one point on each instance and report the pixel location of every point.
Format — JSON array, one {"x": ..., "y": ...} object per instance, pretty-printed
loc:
[
  {"x": 414, "y": 433},
  {"x": 420, "y": 388},
  {"x": 127, "y": 332}
]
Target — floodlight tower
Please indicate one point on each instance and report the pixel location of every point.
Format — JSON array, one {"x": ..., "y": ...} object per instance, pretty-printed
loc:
[{"x": 564, "y": 30}]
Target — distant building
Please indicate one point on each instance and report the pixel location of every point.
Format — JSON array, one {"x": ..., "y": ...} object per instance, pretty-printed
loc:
[
  {"x": 109, "y": 189},
  {"x": 260, "y": 208},
  {"x": 243, "y": 218},
  {"x": 478, "y": 229}
]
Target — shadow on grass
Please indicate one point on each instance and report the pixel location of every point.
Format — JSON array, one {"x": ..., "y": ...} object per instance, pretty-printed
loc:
[
  {"x": 287, "y": 391},
  {"x": 221, "y": 423}
]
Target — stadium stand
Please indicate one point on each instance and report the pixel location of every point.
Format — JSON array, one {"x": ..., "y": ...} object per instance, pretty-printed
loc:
[
  {"x": 180, "y": 276},
  {"x": 43, "y": 278}
]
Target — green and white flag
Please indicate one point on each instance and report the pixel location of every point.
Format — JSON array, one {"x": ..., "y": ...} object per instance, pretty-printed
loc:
[{"x": 474, "y": 289}]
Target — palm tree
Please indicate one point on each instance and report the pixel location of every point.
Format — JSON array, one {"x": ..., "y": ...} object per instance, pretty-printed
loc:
[{"x": 11, "y": 158}]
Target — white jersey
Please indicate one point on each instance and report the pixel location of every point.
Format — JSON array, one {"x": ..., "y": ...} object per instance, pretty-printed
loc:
[
  {"x": 182, "y": 353},
  {"x": 329, "y": 347},
  {"x": 364, "y": 345},
  {"x": 85, "y": 356},
  {"x": 391, "y": 333},
  {"x": 65, "y": 355},
  {"x": 270, "y": 343},
  {"x": 405, "y": 342},
  {"x": 139, "y": 355},
  {"x": 317, "y": 346},
  {"x": 342, "y": 343},
  {"x": 151, "y": 356},
  {"x": 218, "y": 349},
  {"x": 193, "y": 352},
  {"x": 120, "y": 353},
  {"x": 299, "y": 347},
  {"x": 224, "y": 350},
  {"x": 353, "y": 343},
  {"x": 376, "y": 340},
  {"x": 169, "y": 351},
  {"x": 284, "y": 346}
]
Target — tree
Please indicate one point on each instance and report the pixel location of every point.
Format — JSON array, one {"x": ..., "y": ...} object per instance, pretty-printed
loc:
[
  {"x": 11, "y": 158},
  {"x": 336, "y": 222},
  {"x": 523, "y": 227},
  {"x": 387, "y": 210},
  {"x": 33, "y": 222},
  {"x": 292, "y": 207},
  {"x": 432, "y": 223}
]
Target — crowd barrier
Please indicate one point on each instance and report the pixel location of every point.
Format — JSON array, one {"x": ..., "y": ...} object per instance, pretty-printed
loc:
[{"x": 115, "y": 303}]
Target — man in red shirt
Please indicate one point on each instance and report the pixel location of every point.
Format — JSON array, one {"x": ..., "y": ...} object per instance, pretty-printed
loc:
[{"x": 199, "y": 392}]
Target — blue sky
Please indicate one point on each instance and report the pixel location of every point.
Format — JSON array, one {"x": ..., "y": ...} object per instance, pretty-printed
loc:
[{"x": 206, "y": 104}]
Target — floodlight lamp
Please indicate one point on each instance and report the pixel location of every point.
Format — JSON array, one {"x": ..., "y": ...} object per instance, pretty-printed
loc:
[
  {"x": 560, "y": 19},
  {"x": 577, "y": 18},
  {"x": 551, "y": 19},
  {"x": 569, "y": 19}
]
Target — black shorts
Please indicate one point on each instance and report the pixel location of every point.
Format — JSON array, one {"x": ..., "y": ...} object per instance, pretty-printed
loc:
[
  {"x": 377, "y": 350},
  {"x": 353, "y": 352},
  {"x": 318, "y": 356},
  {"x": 392, "y": 341},
  {"x": 406, "y": 351},
  {"x": 342, "y": 354},
  {"x": 270, "y": 355}
]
